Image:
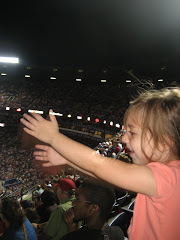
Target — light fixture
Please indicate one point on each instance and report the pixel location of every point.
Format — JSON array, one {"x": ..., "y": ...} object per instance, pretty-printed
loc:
[
  {"x": 9, "y": 59},
  {"x": 111, "y": 123},
  {"x": 56, "y": 114},
  {"x": 79, "y": 117},
  {"x": 35, "y": 111}
]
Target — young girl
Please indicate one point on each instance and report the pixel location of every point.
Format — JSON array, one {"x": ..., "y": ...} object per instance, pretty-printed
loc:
[{"x": 153, "y": 136}]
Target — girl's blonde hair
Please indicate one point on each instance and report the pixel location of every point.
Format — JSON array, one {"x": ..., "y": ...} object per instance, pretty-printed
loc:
[{"x": 160, "y": 114}]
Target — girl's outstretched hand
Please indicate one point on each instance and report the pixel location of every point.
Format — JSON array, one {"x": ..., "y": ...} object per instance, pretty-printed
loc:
[
  {"x": 49, "y": 155},
  {"x": 40, "y": 128}
]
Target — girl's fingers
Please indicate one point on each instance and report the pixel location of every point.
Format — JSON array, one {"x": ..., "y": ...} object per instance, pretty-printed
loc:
[
  {"x": 40, "y": 153},
  {"x": 42, "y": 147},
  {"x": 30, "y": 132},
  {"x": 47, "y": 165},
  {"x": 32, "y": 120},
  {"x": 52, "y": 117},
  {"x": 40, "y": 158},
  {"x": 37, "y": 116},
  {"x": 27, "y": 124}
]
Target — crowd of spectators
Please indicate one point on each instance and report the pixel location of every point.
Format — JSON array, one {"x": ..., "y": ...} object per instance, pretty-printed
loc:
[
  {"x": 91, "y": 100},
  {"x": 16, "y": 163},
  {"x": 103, "y": 101},
  {"x": 100, "y": 101}
]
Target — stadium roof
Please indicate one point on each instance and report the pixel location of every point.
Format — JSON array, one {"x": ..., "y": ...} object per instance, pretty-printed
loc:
[{"x": 81, "y": 33}]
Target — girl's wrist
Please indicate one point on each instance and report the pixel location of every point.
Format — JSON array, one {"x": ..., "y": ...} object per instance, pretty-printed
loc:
[{"x": 54, "y": 139}]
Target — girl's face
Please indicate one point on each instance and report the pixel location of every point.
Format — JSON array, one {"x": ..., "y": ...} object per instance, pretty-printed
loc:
[{"x": 133, "y": 139}]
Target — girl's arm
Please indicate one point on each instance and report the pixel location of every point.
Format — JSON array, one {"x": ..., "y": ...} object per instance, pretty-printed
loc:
[
  {"x": 52, "y": 158},
  {"x": 131, "y": 177}
]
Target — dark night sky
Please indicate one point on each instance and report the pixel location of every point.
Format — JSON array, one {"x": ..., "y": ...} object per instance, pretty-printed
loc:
[{"x": 91, "y": 31}]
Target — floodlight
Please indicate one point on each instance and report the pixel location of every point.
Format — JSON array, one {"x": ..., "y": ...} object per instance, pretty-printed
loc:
[
  {"x": 56, "y": 114},
  {"x": 9, "y": 59},
  {"x": 35, "y": 111},
  {"x": 111, "y": 123},
  {"x": 79, "y": 117}
]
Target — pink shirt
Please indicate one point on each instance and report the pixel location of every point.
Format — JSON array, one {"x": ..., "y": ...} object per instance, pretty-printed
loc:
[{"x": 158, "y": 218}]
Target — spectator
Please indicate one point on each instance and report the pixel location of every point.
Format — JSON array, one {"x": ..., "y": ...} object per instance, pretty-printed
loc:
[
  {"x": 48, "y": 199},
  {"x": 92, "y": 205},
  {"x": 17, "y": 226},
  {"x": 56, "y": 227}
]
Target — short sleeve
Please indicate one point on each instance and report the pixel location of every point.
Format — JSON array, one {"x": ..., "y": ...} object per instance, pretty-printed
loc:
[{"x": 165, "y": 176}]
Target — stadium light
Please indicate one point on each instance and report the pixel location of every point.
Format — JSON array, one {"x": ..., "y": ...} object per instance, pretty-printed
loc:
[
  {"x": 103, "y": 80},
  {"x": 9, "y": 60},
  {"x": 160, "y": 80},
  {"x": 56, "y": 114},
  {"x": 35, "y": 111},
  {"x": 111, "y": 123},
  {"x": 97, "y": 120},
  {"x": 27, "y": 76}
]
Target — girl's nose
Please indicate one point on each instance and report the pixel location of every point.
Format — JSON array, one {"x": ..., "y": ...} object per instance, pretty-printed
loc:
[{"x": 125, "y": 138}]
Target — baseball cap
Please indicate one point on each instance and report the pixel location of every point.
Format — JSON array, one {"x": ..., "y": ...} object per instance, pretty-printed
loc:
[{"x": 66, "y": 184}]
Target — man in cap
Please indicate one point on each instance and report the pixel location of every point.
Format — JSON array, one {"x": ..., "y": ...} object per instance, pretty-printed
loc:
[{"x": 56, "y": 227}]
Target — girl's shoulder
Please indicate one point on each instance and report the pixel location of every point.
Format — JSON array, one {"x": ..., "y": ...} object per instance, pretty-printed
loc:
[{"x": 167, "y": 176}]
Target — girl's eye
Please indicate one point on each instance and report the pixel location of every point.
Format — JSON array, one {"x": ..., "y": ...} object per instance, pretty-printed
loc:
[{"x": 131, "y": 133}]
